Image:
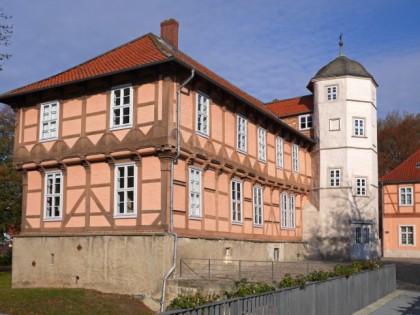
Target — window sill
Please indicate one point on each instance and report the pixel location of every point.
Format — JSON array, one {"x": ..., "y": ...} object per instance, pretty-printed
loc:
[
  {"x": 360, "y": 137},
  {"x": 125, "y": 216},
  {"x": 288, "y": 228},
  {"x": 48, "y": 139},
  {"x": 258, "y": 226},
  {"x": 53, "y": 219},
  {"x": 241, "y": 151},
  {"x": 406, "y": 205},
  {"x": 202, "y": 134},
  {"x": 236, "y": 223},
  {"x": 120, "y": 127},
  {"x": 195, "y": 217}
]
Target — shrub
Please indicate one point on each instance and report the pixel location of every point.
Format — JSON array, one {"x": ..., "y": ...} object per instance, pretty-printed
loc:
[
  {"x": 191, "y": 301},
  {"x": 6, "y": 259},
  {"x": 244, "y": 288}
]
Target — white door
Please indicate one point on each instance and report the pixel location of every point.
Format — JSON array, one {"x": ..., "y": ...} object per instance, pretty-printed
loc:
[{"x": 361, "y": 244}]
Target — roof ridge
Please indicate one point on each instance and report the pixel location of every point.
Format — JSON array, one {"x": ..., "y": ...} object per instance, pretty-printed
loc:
[
  {"x": 188, "y": 58},
  {"x": 286, "y": 99},
  {"x": 160, "y": 45},
  {"x": 76, "y": 66}
]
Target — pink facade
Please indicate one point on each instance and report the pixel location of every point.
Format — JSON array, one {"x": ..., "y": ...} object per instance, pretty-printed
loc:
[
  {"x": 401, "y": 221},
  {"x": 87, "y": 152},
  {"x": 401, "y": 209}
]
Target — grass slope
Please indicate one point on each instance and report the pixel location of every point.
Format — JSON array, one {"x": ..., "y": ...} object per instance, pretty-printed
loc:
[{"x": 64, "y": 301}]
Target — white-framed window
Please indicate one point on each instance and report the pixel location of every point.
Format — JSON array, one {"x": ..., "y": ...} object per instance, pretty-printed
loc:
[
  {"x": 358, "y": 127},
  {"x": 305, "y": 122},
  {"x": 125, "y": 190},
  {"x": 295, "y": 158},
  {"x": 406, "y": 196},
  {"x": 195, "y": 192},
  {"x": 241, "y": 131},
  {"x": 362, "y": 235},
  {"x": 236, "y": 200},
  {"x": 406, "y": 235},
  {"x": 53, "y": 196},
  {"x": 202, "y": 114},
  {"x": 335, "y": 177},
  {"x": 361, "y": 186},
  {"x": 49, "y": 121},
  {"x": 257, "y": 201},
  {"x": 121, "y": 107},
  {"x": 332, "y": 92},
  {"x": 287, "y": 211},
  {"x": 262, "y": 145},
  {"x": 292, "y": 211},
  {"x": 279, "y": 153}
]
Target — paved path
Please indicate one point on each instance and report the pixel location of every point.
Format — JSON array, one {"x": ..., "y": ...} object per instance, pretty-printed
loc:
[
  {"x": 406, "y": 299},
  {"x": 397, "y": 303}
]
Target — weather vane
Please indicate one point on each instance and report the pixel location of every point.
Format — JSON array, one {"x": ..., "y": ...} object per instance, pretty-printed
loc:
[{"x": 341, "y": 44}]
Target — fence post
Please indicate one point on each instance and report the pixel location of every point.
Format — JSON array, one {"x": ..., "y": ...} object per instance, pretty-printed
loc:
[
  {"x": 180, "y": 268},
  {"x": 209, "y": 270},
  {"x": 272, "y": 271},
  {"x": 240, "y": 269}
]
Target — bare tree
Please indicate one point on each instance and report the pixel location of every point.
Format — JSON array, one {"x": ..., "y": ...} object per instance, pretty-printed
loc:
[
  {"x": 6, "y": 32},
  {"x": 398, "y": 138}
]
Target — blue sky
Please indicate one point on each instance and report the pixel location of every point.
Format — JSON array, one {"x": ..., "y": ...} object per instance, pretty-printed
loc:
[{"x": 270, "y": 49}]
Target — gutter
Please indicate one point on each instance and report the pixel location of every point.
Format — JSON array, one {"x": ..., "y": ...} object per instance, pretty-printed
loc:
[{"x": 171, "y": 205}]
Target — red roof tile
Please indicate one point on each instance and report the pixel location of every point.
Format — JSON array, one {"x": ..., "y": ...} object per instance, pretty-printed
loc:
[
  {"x": 406, "y": 171},
  {"x": 140, "y": 51},
  {"x": 292, "y": 106},
  {"x": 217, "y": 79},
  {"x": 143, "y": 51}
]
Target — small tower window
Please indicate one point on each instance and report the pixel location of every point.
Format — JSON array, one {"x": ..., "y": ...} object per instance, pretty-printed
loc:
[{"x": 332, "y": 93}]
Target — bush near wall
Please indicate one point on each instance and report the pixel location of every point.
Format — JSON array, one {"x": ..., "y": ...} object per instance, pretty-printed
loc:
[
  {"x": 6, "y": 259},
  {"x": 245, "y": 288}
]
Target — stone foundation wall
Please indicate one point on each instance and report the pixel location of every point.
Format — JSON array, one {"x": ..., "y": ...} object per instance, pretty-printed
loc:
[{"x": 133, "y": 264}]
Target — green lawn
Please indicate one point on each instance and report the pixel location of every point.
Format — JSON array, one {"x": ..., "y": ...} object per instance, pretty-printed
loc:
[{"x": 64, "y": 301}]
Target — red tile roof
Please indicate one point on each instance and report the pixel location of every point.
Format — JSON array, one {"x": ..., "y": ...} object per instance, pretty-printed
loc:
[
  {"x": 406, "y": 171},
  {"x": 138, "y": 52},
  {"x": 143, "y": 51},
  {"x": 292, "y": 106}
]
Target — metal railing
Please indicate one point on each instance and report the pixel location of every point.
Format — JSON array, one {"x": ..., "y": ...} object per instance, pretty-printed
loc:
[
  {"x": 253, "y": 270},
  {"x": 328, "y": 297}
]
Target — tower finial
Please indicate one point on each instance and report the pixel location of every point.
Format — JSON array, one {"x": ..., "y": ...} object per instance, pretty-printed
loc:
[{"x": 341, "y": 44}]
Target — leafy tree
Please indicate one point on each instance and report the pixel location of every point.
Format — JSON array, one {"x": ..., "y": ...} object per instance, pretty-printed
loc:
[
  {"x": 5, "y": 36},
  {"x": 10, "y": 181},
  {"x": 398, "y": 138}
]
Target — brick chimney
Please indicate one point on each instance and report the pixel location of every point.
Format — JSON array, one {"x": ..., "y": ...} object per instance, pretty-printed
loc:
[{"x": 169, "y": 31}]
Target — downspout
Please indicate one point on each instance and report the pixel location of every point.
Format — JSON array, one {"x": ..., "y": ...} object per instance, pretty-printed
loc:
[{"x": 171, "y": 191}]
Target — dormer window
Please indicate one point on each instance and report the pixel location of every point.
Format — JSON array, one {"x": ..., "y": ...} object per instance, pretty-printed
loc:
[
  {"x": 305, "y": 122},
  {"x": 332, "y": 93}
]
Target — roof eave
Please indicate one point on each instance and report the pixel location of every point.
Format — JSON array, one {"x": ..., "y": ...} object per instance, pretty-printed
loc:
[
  {"x": 391, "y": 182},
  {"x": 273, "y": 116},
  {"x": 5, "y": 97},
  {"x": 310, "y": 85}
]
